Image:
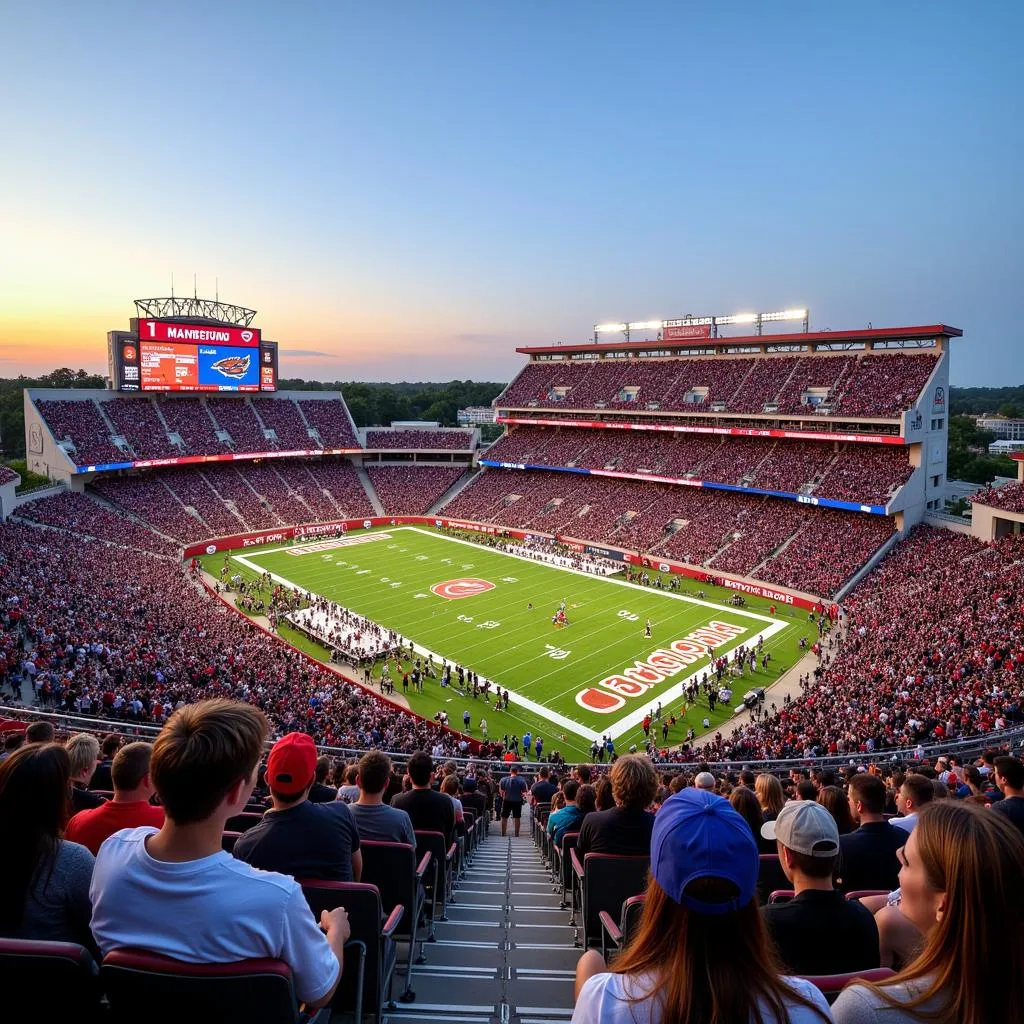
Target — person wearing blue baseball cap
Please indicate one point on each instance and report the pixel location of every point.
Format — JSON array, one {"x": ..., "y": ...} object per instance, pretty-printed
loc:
[{"x": 701, "y": 954}]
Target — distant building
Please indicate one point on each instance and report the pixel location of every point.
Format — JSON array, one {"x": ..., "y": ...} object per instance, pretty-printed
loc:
[
  {"x": 475, "y": 415},
  {"x": 1004, "y": 429},
  {"x": 1006, "y": 446}
]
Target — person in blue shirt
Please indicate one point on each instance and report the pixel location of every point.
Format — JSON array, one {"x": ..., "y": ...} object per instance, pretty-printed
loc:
[{"x": 567, "y": 818}]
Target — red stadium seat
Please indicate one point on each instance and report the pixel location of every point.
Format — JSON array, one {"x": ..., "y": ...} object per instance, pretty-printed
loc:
[{"x": 160, "y": 990}]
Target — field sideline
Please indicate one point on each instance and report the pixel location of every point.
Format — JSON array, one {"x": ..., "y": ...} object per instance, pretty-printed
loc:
[{"x": 503, "y": 631}]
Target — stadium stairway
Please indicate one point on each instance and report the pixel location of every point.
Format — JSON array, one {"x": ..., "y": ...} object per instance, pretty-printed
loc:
[
  {"x": 371, "y": 491},
  {"x": 459, "y": 484},
  {"x": 505, "y": 955}
]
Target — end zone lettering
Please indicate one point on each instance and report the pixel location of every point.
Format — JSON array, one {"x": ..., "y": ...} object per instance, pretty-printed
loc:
[{"x": 662, "y": 664}]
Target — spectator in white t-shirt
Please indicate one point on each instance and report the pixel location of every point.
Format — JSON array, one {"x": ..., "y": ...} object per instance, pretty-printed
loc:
[
  {"x": 916, "y": 791},
  {"x": 174, "y": 890},
  {"x": 701, "y": 952}
]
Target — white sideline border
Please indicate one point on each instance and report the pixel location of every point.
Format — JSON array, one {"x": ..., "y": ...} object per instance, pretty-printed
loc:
[{"x": 620, "y": 726}]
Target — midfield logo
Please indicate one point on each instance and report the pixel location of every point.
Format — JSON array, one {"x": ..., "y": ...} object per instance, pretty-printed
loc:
[{"x": 465, "y": 586}]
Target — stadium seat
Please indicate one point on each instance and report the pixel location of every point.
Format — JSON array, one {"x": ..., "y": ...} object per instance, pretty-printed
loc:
[
  {"x": 242, "y": 822},
  {"x": 144, "y": 986},
  {"x": 439, "y": 878},
  {"x": 397, "y": 870},
  {"x": 832, "y": 984},
  {"x": 366, "y": 983},
  {"x": 48, "y": 981},
  {"x": 859, "y": 894},
  {"x": 606, "y": 881},
  {"x": 618, "y": 933},
  {"x": 781, "y": 896},
  {"x": 770, "y": 877},
  {"x": 228, "y": 840},
  {"x": 561, "y": 859}
]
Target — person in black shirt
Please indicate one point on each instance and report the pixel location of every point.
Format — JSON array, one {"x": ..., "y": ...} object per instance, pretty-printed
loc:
[
  {"x": 818, "y": 931},
  {"x": 626, "y": 828},
  {"x": 298, "y": 837},
  {"x": 472, "y": 799},
  {"x": 101, "y": 778},
  {"x": 543, "y": 789},
  {"x": 430, "y": 811},
  {"x": 868, "y": 855},
  {"x": 321, "y": 793},
  {"x": 1009, "y": 774},
  {"x": 84, "y": 754}
]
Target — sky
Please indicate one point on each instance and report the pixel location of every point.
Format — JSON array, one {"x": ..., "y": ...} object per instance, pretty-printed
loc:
[{"x": 409, "y": 190}]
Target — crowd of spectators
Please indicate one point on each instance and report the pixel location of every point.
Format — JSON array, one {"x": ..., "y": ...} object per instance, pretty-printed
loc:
[
  {"x": 147, "y": 498},
  {"x": 126, "y": 636},
  {"x": 733, "y": 532},
  {"x": 136, "y": 419},
  {"x": 868, "y": 385},
  {"x": 80, "y": 422},
  {"x": 933, "y": 652},
  {"x": 938, "y": 849},
  {"x": 411, "y": 489},
  {"x": 78, "y": 514},
  {"x": 282, "y": 416},
  {"x": 411, "y": 439},
  {"x": 884, "y": 385},
  {"x": 331, "y": 421},
  {"x": 189, "y": 418},
  {"x": 145, "y": 422},
  {"x": 1008, "y": 497},
  {"x": 862, "y": 473}
]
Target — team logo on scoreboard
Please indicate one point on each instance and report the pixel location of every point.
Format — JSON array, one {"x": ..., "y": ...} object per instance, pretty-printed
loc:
[
  {"x": 452, "y": 590},
  {"x": 129, "y": 354},
  {"x": 246, "y": 336},
  {"x": 235, "y": 367}
]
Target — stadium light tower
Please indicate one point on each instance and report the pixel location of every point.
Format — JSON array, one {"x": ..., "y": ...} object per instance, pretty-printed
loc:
[{"x": 709, "y": 323}]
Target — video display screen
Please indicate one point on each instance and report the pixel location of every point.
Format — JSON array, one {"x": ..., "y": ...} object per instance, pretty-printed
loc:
[
  {"x": 168, "y": 367},
  {"x": 138, "y": 364}
]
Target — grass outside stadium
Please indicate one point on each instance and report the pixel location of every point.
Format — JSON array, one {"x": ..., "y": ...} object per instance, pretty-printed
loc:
[{"x": 407, "y": 578}]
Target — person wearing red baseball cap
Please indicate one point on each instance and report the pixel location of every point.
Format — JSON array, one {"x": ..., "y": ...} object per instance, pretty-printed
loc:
[{"x": 298, "y": 837}]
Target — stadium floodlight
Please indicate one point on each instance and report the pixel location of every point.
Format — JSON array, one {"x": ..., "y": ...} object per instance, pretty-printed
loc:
[
  {"x": 647, "y": 325},
  {"x": 737, "y": 318},
  {"x": 786, "y": 314},
  {"x": 610, "y": 328}
]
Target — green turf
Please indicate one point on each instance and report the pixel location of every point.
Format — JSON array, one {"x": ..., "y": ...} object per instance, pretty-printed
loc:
[{"x": 499, "y": 636}]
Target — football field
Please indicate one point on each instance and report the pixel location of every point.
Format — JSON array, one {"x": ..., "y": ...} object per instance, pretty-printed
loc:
[{"x": 492, "y": 612}]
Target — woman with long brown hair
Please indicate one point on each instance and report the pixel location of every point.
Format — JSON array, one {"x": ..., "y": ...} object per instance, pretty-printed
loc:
[
  {"x": 45, "y": 888},
  {"x": 770, "y": 795},
  {"x": 834, "y": 800},
  {"x": 701, "y": 954},
  {"x": 961, "y": 887}
]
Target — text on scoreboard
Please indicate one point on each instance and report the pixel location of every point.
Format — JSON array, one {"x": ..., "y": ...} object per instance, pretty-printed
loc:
[
  {"x": 196, "y": 334},
  {"x": 143, "y": 365}
]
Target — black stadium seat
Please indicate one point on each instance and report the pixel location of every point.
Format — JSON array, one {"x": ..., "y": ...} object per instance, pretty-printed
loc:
[{"x": 48, "y": 981}]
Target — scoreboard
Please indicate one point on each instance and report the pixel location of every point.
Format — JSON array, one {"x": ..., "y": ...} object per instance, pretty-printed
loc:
[{"x": 167, "y": 355}]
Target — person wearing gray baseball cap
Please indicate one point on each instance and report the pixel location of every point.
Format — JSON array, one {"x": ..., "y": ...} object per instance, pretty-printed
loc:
[{"x": 818, "y": 931}]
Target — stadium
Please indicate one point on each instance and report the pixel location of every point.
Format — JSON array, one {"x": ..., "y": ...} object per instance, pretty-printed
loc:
[{"x": 716, "y": 540}]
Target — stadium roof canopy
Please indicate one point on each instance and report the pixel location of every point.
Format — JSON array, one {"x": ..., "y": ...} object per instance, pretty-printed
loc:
[{"x": 829, "y": 339}]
